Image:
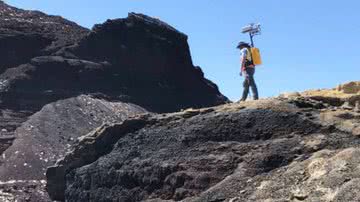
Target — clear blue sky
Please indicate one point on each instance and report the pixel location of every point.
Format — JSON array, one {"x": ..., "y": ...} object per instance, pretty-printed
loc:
[{"x": 305, "y": 44}]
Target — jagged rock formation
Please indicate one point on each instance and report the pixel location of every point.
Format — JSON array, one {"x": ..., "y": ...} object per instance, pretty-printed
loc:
[
  {"x": 122, "y": 68},
  {"x": 24, "y": 35},
  {"x": 59, "y": 81},
  {"x": 27, "y": 34},
  {"x": 138, "y": 59},
  {"x": 150, "y": 62},
  {"x": 109, "y": 62},
  {"x": 284, "y": 149}
]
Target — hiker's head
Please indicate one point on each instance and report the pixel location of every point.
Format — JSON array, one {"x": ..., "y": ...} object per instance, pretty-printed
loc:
[{"x": 242, "y": 45}]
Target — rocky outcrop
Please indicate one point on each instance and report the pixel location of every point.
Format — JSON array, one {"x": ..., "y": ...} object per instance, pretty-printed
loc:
[
  {"x": 48, "y": 134},
  {"x": 150, "y": 61},
  {"x": 268, "y": 150},
  {"x": 27, "y": 34},
  {"x": 59, "y": 81},
  {"x": 23, "y": 36},
  {"x": 139, "y": 59},
  {"x": 47, "y": 79},
  {"x": 345, "y": 93},
  {"x": 327, "y": 175},
  {"x": 349, "y": 88}
]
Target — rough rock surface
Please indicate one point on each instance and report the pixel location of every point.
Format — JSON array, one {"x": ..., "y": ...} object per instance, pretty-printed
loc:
[
  {"x": 350, "y": 88},
  {"x": 47, "y": 79},
  {"x": 268, "y": 150},
  {"x": 24, "y": 190},
  {"x": 42, "y": 63},
  {"x": 344, "y": 93},
  {"x": 300, "y": 147},
  {"x": 138, "y": 59},
  {"x": 48, "y": 134},
  {"x": 150, "y": 62},
  {"x": 9, "y": 121},
  {"x": 26, "y": 34},
  {"x": 95, "y": 74}
]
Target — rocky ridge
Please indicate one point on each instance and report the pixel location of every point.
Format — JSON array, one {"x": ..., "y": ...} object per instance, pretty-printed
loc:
[
  {"x": 27, "y": 34},
  {"x": 347, "y": 93},
  {"x": 59, "y": 81},
  {"x": 278, "y": 149},
  {"x": 106, "y": 62},
  {"x": 61, "y": 68}
]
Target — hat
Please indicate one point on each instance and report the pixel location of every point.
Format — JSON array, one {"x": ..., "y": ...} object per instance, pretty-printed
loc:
[{"x": 242, "y": 44}]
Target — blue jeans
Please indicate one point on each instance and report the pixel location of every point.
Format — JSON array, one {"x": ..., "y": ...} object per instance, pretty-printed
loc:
[{"x": 249, "y": 82}]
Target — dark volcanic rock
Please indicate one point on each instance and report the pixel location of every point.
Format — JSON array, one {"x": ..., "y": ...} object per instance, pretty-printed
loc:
[
  {"x": 122, "y": 41},
  {"x": 9, "y": 121},
  {"x": 49, "y": 134},
  {"x": 49, "y": 78},
  {"x": 15, "y": 53},
  {"x": 177, "y": 156},
  {"x": 238, "y": 152},
  {"x": 24, "y": 190},
  {"x": 138, "y": 60},
  {"x": 152, "y": 60},
  {"x": 26, "y": 34}
]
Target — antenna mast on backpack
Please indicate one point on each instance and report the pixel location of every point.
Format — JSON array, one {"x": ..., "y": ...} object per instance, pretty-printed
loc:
[{"x": 253, "y": 29}]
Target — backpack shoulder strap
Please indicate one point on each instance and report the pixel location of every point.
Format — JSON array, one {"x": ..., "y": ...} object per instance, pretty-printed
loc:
[{"x": 249, "y": 54}]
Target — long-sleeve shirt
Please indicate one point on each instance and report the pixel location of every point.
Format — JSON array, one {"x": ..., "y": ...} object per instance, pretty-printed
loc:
[{"x": 243, "y": 55}]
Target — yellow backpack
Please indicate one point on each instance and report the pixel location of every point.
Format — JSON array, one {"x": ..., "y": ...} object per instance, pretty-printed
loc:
[{"x": 255, "y": 56}]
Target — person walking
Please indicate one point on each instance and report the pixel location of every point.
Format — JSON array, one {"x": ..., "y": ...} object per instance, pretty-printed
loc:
[{"x": 247, "y": 70}]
